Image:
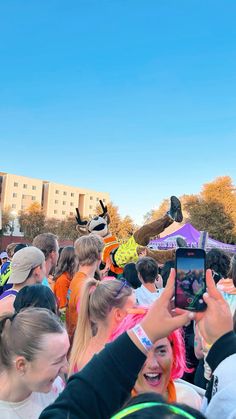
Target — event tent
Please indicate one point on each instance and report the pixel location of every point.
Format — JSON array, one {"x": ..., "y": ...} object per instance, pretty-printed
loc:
[{"x": 191, "y": 236}]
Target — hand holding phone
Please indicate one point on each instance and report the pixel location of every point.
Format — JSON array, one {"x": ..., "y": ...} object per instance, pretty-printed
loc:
[{"x": 190, "y": 282}]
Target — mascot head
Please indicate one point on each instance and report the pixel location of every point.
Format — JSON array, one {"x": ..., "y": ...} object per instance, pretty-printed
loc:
[{"x": 98, "y": 224}]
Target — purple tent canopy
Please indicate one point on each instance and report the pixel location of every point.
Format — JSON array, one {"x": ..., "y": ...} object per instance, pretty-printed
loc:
[{"x": 191, "y": 236}]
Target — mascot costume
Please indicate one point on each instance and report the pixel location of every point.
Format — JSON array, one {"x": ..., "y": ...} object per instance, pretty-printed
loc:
[{"x": 115, "y": 255}]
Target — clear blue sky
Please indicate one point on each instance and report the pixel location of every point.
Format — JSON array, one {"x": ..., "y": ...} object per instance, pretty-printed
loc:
[{"x": 133, "y": 97}]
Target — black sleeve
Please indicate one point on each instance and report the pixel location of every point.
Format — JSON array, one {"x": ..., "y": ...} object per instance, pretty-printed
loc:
[
  {"x": 222, "y": 348},
  {"x": 102, "y": 386}
]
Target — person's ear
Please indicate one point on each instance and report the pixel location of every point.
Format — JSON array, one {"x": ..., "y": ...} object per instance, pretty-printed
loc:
[
  {"x": 37, "y": 271},
  {"x": 118, "y": 314},
  {"x": 21, "y": 365}
]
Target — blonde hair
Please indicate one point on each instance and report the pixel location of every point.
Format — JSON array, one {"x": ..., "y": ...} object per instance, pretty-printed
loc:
[
  {"x": 22, "y": 334},
  {"x": 97, "y": 300},
  {"x": 88, "y": 249}
]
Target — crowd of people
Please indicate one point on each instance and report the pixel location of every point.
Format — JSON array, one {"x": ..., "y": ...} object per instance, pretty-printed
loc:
[{"x": 82, "y": 339}]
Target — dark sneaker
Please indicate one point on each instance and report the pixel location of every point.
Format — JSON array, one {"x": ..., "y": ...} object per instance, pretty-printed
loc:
[
  {"x": 181, "y": 242},
  {"x": 175, "y": 211}
]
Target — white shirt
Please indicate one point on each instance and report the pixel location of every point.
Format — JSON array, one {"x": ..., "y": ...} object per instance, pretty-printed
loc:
[
  {"x": 188, "y": 395},
  {"x": 32, "y": 407},
  {"x": 144, "y": 297}
]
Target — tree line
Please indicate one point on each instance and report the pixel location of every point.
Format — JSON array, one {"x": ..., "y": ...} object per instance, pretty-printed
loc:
[{"x": 212, "y": 210}]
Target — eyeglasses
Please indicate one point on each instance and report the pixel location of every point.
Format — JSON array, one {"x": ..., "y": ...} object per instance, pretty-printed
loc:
[
  {"x": 123, "y": 284},
  {"x": 139, "y": 406}
]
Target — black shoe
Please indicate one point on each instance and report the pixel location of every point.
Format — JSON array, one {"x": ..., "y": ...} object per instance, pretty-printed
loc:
[
  {"x": 175, "y": 211},
  {"x": 181, "y": 242}
]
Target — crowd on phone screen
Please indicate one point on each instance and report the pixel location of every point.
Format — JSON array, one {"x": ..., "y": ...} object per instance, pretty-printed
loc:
[{"x": 76, "y": 344}]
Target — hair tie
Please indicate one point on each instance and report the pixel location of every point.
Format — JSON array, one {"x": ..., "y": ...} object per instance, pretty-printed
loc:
[{"x": 93, "y": 287}]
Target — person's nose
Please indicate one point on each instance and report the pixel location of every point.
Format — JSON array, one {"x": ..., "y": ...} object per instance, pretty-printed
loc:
[{"x": 153, "y": 362}]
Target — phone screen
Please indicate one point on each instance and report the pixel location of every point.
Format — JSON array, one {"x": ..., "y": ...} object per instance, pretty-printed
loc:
[{"x": 190, "y": 282}]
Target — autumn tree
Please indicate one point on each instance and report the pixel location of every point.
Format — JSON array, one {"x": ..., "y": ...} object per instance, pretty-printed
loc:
[
  {"x": 32, "y": 221},
  {"x": 211, "y": 216},
  {"x": 7, "y": 221},
  {"x": 157, "y": 213},
  {"x": 121, "y": 228},
  {"x": 66, "y": 229},
  {"x": 222, "y": 190}
]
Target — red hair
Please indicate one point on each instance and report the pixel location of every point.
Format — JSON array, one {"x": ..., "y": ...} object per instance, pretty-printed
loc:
[{"x": 175, "y": 338}]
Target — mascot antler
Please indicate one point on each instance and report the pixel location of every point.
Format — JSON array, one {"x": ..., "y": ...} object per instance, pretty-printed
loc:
[
  {"x": 105, "y": 212},
  {"x": 81, "y": 225}
]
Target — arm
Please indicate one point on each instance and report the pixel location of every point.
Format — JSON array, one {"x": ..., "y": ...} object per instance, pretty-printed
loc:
[
  {"x": 103, "y": 385},
  {"x": 216, "y": 327}
]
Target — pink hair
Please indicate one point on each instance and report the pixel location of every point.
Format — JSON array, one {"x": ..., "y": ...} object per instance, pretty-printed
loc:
[{"x": 175, "y": 338}]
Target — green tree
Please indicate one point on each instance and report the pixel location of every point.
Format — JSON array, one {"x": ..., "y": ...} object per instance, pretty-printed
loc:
[{"x": 32, "y": 221}]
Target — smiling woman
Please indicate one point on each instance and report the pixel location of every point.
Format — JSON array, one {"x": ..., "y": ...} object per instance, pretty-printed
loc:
[
  {"x": 164, "y": 364},
  {"x": 33, "y": 352}
]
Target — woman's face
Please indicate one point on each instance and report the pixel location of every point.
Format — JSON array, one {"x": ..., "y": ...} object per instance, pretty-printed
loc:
[
  {"x": 156, "y": 372},
  {"x": 48, "y": 363}
]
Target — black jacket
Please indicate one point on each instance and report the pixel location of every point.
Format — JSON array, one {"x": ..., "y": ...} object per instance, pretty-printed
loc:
[{"x": 102, "y": 386}]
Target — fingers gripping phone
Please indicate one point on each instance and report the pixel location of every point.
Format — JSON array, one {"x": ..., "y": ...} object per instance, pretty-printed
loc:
[{"x": 190, "y": 282}]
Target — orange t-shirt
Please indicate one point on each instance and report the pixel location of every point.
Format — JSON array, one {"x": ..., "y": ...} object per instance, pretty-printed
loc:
[
  {"x": 61, "y": 288},
  {"x": 73, "y": 296}
]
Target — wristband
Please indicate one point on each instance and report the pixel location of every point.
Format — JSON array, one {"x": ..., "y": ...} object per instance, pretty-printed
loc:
[{"x": 142, "y": 337}]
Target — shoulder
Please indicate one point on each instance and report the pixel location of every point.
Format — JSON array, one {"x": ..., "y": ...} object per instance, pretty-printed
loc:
[
  {"x": 6, "y": 304},
  {"x": 187, "y": 394}
]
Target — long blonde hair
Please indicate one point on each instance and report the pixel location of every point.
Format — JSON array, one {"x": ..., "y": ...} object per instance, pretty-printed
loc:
[{"x": 97, "y": 300}]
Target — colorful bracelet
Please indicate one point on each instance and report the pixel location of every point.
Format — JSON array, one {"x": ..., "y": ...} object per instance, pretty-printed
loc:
[{"x": 142, "y": 337}]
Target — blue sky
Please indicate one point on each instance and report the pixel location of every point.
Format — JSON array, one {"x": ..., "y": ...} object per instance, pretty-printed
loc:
[{"x": 133, "y": 97}]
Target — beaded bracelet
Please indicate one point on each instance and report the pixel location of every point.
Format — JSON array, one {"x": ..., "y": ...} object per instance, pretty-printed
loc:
[{"x": 142, "y": 337}]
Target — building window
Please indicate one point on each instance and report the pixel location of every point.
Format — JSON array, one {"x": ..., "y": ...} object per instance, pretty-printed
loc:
[
  {"x": 90, "y": 207},
  {"x": 16, "y": 184},
  {"x": 64, "y": 193},
  {"x": 34, "y": 188},
  {"x": 72, "y": 204},
  {"x": 71, "y": 213},
  {"x": 33, "y": 198},
  {"x": 14, "y": 195},
  {"x": 13, "y": 206},
  {"x": 72, "y": 194},
  {"x": 63, "y": 212},
  {"x": 97, "y": 199},
  {"x": 63, "y": 202},
  {"x": 24, "y": 186},
  {"x": 23, "y": 196},
  {"x": 104, "y": 200},
  {"x": 55, "y": 211},
  {"x": 57, "y": 192},
  {"x": 56, "y": 201},
  {"x": 91, "y": 198}
]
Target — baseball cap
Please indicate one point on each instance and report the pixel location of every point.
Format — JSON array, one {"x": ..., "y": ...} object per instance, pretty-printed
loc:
[
  {"x": 3, "y": 255},
  {"x": 23, "y": 261}
]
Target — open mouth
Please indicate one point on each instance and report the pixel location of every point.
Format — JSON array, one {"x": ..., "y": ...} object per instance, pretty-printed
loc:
[
  {"x": 153, "y": 379},
  {"x": 99, "y": 227}
]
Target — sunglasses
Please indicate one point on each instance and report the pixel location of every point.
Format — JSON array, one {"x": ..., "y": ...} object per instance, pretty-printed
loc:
[{"x": 123, "y": 284}]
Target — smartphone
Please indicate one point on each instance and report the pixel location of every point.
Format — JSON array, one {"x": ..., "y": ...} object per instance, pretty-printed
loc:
[{"x": 190, "y": 281}]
